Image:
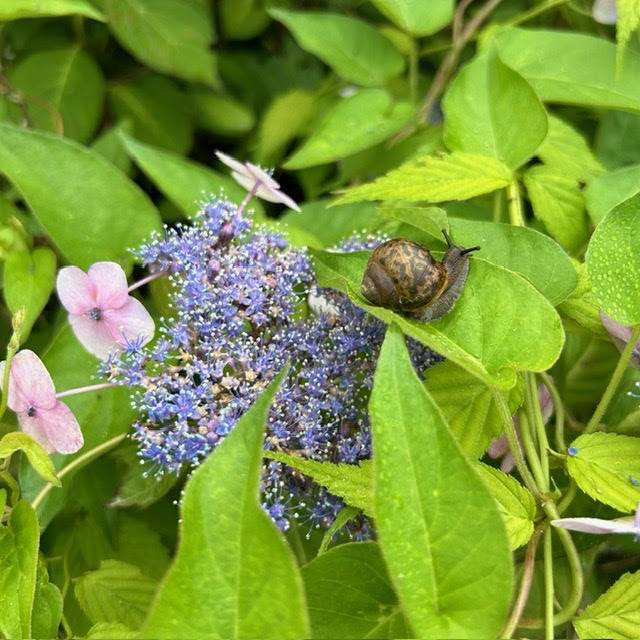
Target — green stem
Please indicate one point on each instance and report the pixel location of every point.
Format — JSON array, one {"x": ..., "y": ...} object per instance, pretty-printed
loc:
[
  {"x": 515, "y": 206},
  {"x": 412, "y": 67},
  {"x": 543, "y": 442},
  {"x": 12, "y": 349},
  {"x": 558, "y": 407},
  {"x": 78, "y": 462},
  {"x": 530, "y": 451},
  {"x": 498, "y": 199},
  {"x": 13, "y": 486},
  {"x": 548, "y": 585},
  {"x": 346, "y": 513},
  {"x": 568, "y": 497},
  {"x": 593, "y": 423}
]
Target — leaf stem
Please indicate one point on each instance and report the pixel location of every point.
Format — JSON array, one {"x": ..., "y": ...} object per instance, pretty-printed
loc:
[
  {"x": 548, "y": 584},
  {"x": 412, "y": 70},
  {"x": 593, "y": 423},
  {"x": 530, "y": 450},
  {"x": 515, "y": 206},
  {"x": 543, "y": 442},
  {"x": 558, "y": 407}
]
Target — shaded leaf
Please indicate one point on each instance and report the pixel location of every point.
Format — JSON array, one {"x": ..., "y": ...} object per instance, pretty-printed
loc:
[
  {"x": 47, "y": 606},
  {"x": 608, "y": 191},
  {"x": 14, "y": 9}
]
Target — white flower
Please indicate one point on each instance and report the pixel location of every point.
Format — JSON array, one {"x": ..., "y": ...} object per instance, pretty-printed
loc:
[
  {"x": 605, "y": 11},
  {"x": 253, "y": 178},
  {"x": 597, "y": 525}
]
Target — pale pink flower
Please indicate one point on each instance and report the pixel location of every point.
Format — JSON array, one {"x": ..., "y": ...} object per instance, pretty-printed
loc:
[
  {"x": 620, "y": 334},
  {"x": 597, "y": 525},
  {"x": 248, "y": 175},
  {"x": 102, "y": 314},
  {"x": 40, "y": 414},
  {"x": 605, "y": 11}
]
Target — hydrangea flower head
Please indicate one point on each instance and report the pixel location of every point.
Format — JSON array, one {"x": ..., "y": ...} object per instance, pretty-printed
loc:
[
  {"x": 40, "y": 414},
  {"x": 102, "y": 314}
]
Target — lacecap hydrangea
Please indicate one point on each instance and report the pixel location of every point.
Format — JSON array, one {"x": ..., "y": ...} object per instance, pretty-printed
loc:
[{"x": 245, "y": 305}]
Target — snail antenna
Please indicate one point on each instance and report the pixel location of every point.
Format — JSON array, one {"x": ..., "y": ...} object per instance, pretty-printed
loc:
[
  {"x": 469, "y": 250},
  {"x": 447, "y": 238}
]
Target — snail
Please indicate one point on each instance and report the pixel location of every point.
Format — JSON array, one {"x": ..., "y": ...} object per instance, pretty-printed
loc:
[{"x": 402, "y": 275}]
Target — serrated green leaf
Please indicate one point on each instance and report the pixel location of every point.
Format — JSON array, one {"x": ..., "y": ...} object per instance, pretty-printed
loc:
[
  {"x": 169, "y": 36},
  {"x": 606, "y": 467},
  {"x": 220, "y": 114},
  {"x": 47, "y": 606},
  {"x": 581, "y": 305},
  {"x": 116, "y": 592},
  {"x": 608, "y": 191},
  {"x": 14, "y": 9},
  {"x": 351, "y": 47},
  {"x": 18, "y": 568},
  {"x": 489, "y": 333},
  {"x": 468, "y": 406},
  {"x": 516, "y": 504},
  {"x": 63, "y": 90},
  {"x": 347, "y": 579},
  {"x": 28, "y": 282},
  {"x": 450, "y": 583},
  {"x": 84, "y": 188},
  {"x": 234, "y": 575},
  {"x": 615, "y": 614},
  {"x": 613, "y": 262},
  {"x": 455, "y": 176},
  {"x": 628, "y": 22},
  {"x": 559, "y": 203},
  {"x": 37, "y": 456},
  {"x": 353, "y": 124},
  {"x": 479, "y": 107},
  {"x": 417, "y": 18},
  {"x": 183, "y": 181},
  {"x": 353, "y": 483},
  {"x": 567, "y": 152}
]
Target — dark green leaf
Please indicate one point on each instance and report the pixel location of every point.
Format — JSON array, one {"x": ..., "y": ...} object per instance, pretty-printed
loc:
[{"x": 417, "y": 18}]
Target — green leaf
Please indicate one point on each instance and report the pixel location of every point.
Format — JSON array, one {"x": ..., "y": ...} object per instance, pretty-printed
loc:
[
  {"x": 233, "y": 576},
  {"x": 157, "y": 108},
  {"x": 628, "y": 22},
  {"x": 109, "y": 145},
  {"x": 431, "y": 220},
  {"x": 417, "y": 18},
  {"x": 616, "y": 139},
  {"x": 37, "y": 456},
  {"x": 285, "y": 119},
  {"x": 455, "y": 176},
  {"x": 613, "y": 262},
  {"x": 439, "y": 529},
  {"x": 500, "y": 324},
  {"x": 170, "y": 36},
  {"x": 111, "y": 631},
  {"x": 553, "y": 62},
  {"x": 47, "y": 606},
  {"x": 18, "y": 567},
  {"x": 183, "y": 181},
  {"x": 615, "y": 614},
  {"x": 353, "y": 124},
  {"x": 116, "y": 592},
  {"x": 85, "y": 205},
  {"x": 14, "y": 9},
  {"x": 516, "y": 504},
  {"x": 479, "y": 107},
  {"x": 566, "y": 151},
  {"x": 63, "y": 90},
  {"x": 469, "y": 406},
  {"x": 242, "y": 19},
  {"x": 610, "y": 190},
  {"x": 558, "y": 202},
  {"x": 353, "y": 483},
  {"x": 221, "y": 114},
  {"x": 28, "y": 282},
  {"x": 606, "y": 467},
  {"x": 581, "y": 305},
  {"x": 352, "y": 48},
  {"x": 348, "y": 579}
]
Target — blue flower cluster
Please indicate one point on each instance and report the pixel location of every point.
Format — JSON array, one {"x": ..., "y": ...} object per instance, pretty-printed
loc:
[{"x": 244, "y": 305}]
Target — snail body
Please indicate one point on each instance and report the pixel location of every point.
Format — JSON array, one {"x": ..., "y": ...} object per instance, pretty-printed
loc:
[{"x": 402, "y": 275}]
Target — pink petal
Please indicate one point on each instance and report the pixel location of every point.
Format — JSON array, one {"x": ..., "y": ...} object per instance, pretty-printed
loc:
[
  {"x": 30, "y": 384},
  {"x": 56, "y": 429},
  {"x": 619, "y": 332},
  {"x": 93, "y": 335},
  {"x": 129, "y": 322},
  {"x": 110, "y": 284},
  {"x": 498, "y": 447},
  {"x": 75, "y": 290},
  {"x": 234, "y": 164},
  {"x": 595, "y": 525}
]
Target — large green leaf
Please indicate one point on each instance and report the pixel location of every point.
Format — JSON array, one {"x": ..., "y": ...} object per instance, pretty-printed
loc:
[
  {"x": 455, "y": 176},
  {"x": 352, "y": 48},
  {"x": 170, "y": 36},
  {"x": 221, "y": 114},
  {"x": 613, "y": 262},
  {"x": 18, "y": 566},
  {"x": 615, "y": 614},
  {"x": 90, "y": 209},
  {"x": 606, "y": 466},
  {"x": 500, "y": 324},
  {"x": 233, "y": 576},
  {"x": 359, "y": 122},
  {"x": 183, "y": 181},
  {"x": 439, "y": 529},
  {"x": 417, "y": 18},
  {"x": 347, "y": 579},
  {"x": 554, "y": 63},
  {"x": 581, "y": 305},
  {"x": 14, "y": 9},
  {"x": 63, "y": 89},
  {"x": 608, "y": 191},
  {"x": 479, "y": 107}
]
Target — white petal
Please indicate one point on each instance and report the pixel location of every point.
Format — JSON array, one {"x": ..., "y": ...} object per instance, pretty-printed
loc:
[{"x": 234, "y": 164}]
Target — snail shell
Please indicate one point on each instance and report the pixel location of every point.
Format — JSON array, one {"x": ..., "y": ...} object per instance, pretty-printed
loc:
[{"x": 402, "y": 275}]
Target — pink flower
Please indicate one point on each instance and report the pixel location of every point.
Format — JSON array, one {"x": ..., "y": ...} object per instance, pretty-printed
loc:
[
  {"x": 597, "y": 525},
  {"x": 102, "y": 314},
  {"x": 40, "y": 414},
  {"x": 253, "y": 178}
]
